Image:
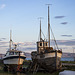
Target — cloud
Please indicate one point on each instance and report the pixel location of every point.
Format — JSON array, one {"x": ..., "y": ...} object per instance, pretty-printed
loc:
[
  {"x": 26, "y": 43},
  {"x": 67, "y": 35},
  {"x": 26, "y": 46},
  {"x": 1, "y": 39},
  {"x": 58, "y": 17},
  {"x": 66, "y": 42},
  {"x": 3, "y": 46},
  {"x": 27, "y": 49},
  {"x": 31, "y": 48},
  {"x": 65, "y": 45},
  {"x": 64, "y": 23},
  {"x": 3, "y": 43},
  {"x": 2, "y": 6},
  {"x": 73, "y": 39}
]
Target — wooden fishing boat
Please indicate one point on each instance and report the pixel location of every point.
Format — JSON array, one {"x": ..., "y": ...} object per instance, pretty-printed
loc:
[{"x": 45, "y": 56}]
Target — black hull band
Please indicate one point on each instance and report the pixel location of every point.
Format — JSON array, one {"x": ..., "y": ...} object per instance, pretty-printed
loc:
[{"x": 12, "y": 57}]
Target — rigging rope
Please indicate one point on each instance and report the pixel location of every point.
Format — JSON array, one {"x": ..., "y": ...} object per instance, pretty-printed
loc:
[
  {"x": 43, "y": 35},
  {"x": 54, "y": 37}
]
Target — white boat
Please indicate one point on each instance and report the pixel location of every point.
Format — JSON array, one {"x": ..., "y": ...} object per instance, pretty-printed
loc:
[{"x": 13, "y": 57}]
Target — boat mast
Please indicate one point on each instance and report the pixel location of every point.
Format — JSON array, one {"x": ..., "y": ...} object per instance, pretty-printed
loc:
[
  {"x": 48, "y": 25},
  {"x": 10, "y": 40},
  {"x": 40, "y": 28}
]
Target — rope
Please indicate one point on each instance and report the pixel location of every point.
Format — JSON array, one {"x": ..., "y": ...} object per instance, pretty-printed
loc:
[
  {"x": 54, "y": 38},
  {"x": 43, "y": 35}
]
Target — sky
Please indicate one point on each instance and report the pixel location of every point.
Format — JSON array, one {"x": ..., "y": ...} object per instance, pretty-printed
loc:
[{"x": 21, "y": 16}]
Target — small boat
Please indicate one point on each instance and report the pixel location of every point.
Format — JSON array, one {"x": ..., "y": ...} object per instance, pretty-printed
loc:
[
  {"x": 13, "y": 57},
  {"x": 46, "y": 57}
]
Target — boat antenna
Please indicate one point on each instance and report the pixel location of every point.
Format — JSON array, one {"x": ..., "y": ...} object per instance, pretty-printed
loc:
[
  {"x": 10, "y": 39},
  {"x": 48, "y": 24}
]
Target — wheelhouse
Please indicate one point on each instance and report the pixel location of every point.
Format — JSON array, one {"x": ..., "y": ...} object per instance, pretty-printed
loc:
[{"x": 12, "y": 52}]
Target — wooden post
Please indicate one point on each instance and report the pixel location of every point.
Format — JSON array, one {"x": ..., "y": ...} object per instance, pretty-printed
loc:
[
  {"x": 56, "y": 65},
  {"x": 18, "y": 68}
]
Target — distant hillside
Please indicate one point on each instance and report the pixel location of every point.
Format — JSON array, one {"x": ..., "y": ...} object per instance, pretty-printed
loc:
[
  {"x": 28, "y": 55},
  {"x": 1, "y": 56},
  {"x": 68, "y": 54}
]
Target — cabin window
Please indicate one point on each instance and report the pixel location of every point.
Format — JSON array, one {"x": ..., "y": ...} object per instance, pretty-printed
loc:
[
  {"x": 22, "y": 53},
  {"x": 40, "y": 44},
  {"x": 46, "y": 44},
  {"x": 16, "y": 53},
  {"x": 11, "y": 53}
]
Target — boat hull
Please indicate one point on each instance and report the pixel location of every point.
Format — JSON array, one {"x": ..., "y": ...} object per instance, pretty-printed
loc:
[
  {"x": 49, "y": 61},
  {"x": 50, "y": 64},
  {"x": 13, "y": 60}
]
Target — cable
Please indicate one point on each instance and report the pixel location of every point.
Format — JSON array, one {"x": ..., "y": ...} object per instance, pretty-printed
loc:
[{"x": 54, "y": 37}]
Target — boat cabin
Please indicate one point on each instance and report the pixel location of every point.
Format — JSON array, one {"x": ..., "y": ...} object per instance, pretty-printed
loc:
[
  {"x": 41, "y": 45},
  {"x": 12, "y": 52}
]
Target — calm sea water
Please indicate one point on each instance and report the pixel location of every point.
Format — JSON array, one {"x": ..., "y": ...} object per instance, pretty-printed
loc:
[
  {"x": 62, "y": 59},
  {"x": 67, "y": 59}
]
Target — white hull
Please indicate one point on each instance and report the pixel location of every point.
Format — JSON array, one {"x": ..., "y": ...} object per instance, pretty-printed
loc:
[{"x": 14, "y": 61}]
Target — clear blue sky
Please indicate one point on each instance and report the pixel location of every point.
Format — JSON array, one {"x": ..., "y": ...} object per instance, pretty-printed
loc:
[{"x": 22, "y": 17}]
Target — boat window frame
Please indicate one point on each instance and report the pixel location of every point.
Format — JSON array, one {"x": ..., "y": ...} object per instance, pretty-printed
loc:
[
  {"x": 11, "y": 53},
  {"x": 46, "y": 44},
  {"x": 40, "y": 44},
  {"x": 16, "y": 53}
]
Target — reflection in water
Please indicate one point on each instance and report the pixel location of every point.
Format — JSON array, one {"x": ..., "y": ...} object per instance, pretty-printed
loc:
[{"x": 67, "y": 72}]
